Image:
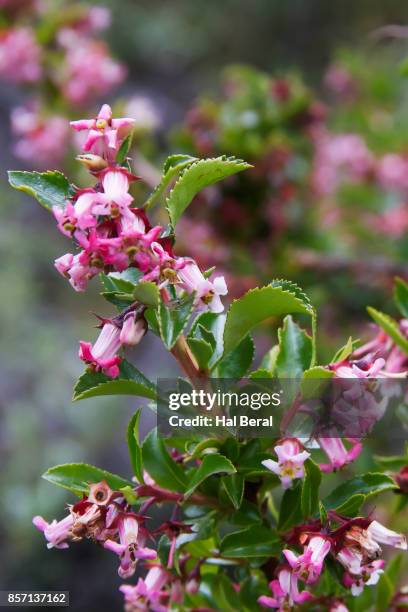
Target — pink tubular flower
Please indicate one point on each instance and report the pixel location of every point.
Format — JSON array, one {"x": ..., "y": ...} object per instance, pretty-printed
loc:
[
  {"x": 290, "y": 462},
  {"x": 207, "y": 292},
  {"x": 338, "y": 606},
  {"x": 56, "y": 532},
  {"x": 115, "y": 199},
  {"x": 366, "y": 368},
  {"x": 133, "y": 330},
  {"x": 148, "y": 592},
  {"x": 309, "y": 565},
  {"x": 105, "y": 133},
  {"x": 285, "y": 592},
  {"x": 130, "y": 547},
  {"x": 20, "y": 56},
  {"x": 337, "y": 453},
  {"x": 102, "y": 356},
  {"x": 382, "y": 535}
]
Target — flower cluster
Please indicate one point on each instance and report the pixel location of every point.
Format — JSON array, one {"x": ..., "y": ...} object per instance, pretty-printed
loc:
[
  {"x": 114, "y": 235},
  {"x": 353, "y": 543}
]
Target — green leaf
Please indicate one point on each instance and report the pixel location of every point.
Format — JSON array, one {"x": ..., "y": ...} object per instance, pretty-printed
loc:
[
  {"x": 237, "y": 362},
  {"x": 77, "y": 477},
  {"x": 254, "y": 541},
  {"x": 173, "y": 319},
  {"x": 135, "y": 451},
  {"x": 314, "y": 380},
  {"x": 352, "y": 505},
  {"x": 124, "y": 149},
  {"x": 392, "y": 463},
  {"x": 256, "y": 306},
  {"x": 147, "y": 293},
  {"x": 129, "y": 382},
  {"x": 345, "y": 351},
  {"x": 367, "y": 485},
  {"x": 390, "y": 327},
  {"x": 201, "y": 350},
  {"x": 401, "y": 296},
  {"x": 219, "y": 592},
  {"x": 195, "y": 177},
  {"x": 161, "y": 467},
  {"x": 210, "y": 465},
  {"x": 120, "y": 300},
  {"x": 233, "y": 485},
  {"x": 295, "y": 350},
  {"x": 50, "y": 188},
  {"x": 172, "y": 167},
  {"x": 310, "y": 489},
  {"x": 290, "y": 513}
]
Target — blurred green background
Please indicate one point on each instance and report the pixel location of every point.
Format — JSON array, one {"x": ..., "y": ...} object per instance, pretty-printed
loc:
[{"x": 173, "y": 51}]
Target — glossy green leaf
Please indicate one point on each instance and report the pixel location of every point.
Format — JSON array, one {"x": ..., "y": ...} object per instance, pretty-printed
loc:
[
  {"x": 390, "y": 327},
  {"x": 124, "y": 149},
  {"x": 129, "y": 382},
  {"x": 345, "y": 351},
  {"x": 352, "y": 505},
  {"x": 295, "y": 350},
  {"x": 401, "y": 296},
  {"x": 173, "y": 165},
  {"x": 366, "y": 484},
  {"x": 290, "y": 513},
  {"x": 77, "y": 477},
  {"x": 173, "y": 319},
  {"x": 201, "y": 350},
  {"x": 236, "y": 364},
  {"x": 233, "y": 485},
  {"x": 195, "y": 177},
  {"x": 147, "y": 293},
  {"x": 310, "y": 489},
  {"x": 254, "y": 541},
  {"x": 161, "y": 467},
  {"x": 135, "y": 450},
  {"x": 256, "y": 306},
  {"x": 49, "y": 188},
  {"x": 210, "y": 465}
]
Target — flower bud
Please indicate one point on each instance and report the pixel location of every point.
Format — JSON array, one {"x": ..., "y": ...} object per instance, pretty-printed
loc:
[{"x": 94, "y": 163}]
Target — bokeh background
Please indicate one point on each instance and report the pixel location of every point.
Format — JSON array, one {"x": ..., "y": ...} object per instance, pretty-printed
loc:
[{"x": 319, "y": 108}]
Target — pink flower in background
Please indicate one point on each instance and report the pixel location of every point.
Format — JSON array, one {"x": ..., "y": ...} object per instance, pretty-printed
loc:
[
  {"x": 285, "y": 592},
  {"x": 290, "y": 462},
  {"x": 339, "y": 157},
  {"x": 40, "y": 140},
  {"x": 20, "y": 56},
  {"x": 392, "y": 172},
  {"x": 207, "y": 292},
  {"x": 392, "y": 223},
  {"x": 144, "y": 112},
  {"x": 340, "y": 82},
  {"x": 308, "y": 566},
  {"x": 56, "y": 532},
  {"x": 89, "y": 71},
  {"x": 337, "y": 453},
  {"x": 102, "y": 356},
  {"x": 105, "y": 134}
]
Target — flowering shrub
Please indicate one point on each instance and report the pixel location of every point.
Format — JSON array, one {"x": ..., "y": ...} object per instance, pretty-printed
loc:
[{"x": 248, "y": 527}]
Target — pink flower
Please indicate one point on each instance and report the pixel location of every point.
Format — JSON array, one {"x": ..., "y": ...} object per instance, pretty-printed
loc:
[
  {"x": 78, "y": 269},
  {"x": 370, "y": 575},
  {"x": 207, "y": 292},
  {"x": 148, "y": 592},
  {"x": 115, "y": 199},
  {"x": 56, "y": 532},
  {"x": 290, "y": 462},
  {"x": 102, "y": 356},
  {"x": 351, "y": 559},
  {"x": 367, "y": 368},
  {"x": 337, "y": 453},
  {"x": 309, "y": 565},
  {"x": 285, "y": 592},
  {"x": 41, "y": 140},
  {"x": 89, "y": 71},
  {"x": 105, "y": 133},
  {"x": 392, "y": 172},
  {"x": 20, "y": 56},
  {"x": 130, "y": 547},
  {"x": 382, "y": 535},
  {"x": 338, "y": 606},
  {"x": 133, "y": 329}
]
